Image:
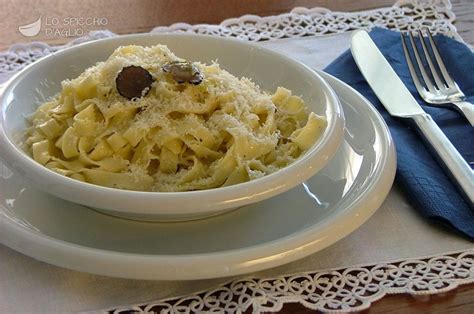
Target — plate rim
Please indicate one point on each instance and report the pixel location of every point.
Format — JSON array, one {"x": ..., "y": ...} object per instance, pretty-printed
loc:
[{"x": 222, "y": 263}]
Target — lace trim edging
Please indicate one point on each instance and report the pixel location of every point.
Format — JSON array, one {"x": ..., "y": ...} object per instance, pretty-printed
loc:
[{"x": 349, "y": 289}]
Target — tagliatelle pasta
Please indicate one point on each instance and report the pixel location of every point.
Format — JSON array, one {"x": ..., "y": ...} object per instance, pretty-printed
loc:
[{"x": 215, "y": 130}]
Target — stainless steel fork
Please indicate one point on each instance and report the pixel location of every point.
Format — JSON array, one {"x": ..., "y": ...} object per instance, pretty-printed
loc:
[{"x": 443, "y": 91}]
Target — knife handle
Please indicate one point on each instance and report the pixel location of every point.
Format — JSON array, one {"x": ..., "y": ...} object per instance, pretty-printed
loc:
[{"x": 453, "y": 163}]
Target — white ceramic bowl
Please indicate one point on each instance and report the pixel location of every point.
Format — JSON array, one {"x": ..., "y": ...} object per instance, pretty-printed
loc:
[{"x": 41, "y": 80}]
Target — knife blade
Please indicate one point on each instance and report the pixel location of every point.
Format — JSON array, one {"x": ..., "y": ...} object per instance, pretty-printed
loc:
[{"x": 399, "y": 102}]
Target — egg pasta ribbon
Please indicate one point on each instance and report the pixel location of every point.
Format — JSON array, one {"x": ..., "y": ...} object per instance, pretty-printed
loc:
[{"x": 176, "y": 136}]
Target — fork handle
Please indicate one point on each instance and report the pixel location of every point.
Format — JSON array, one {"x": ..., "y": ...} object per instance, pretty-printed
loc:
[
  {"x": 453, "y": 163},
  {"x": 467, "y": 109}
]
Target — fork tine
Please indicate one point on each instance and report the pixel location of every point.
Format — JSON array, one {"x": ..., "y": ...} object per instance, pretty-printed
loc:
[
  {"x": 434, "y": 72},
  {"x": 441, "y": 65},
  {"x": 413, "y": 73},
  {"x": 426, "y": 78}
]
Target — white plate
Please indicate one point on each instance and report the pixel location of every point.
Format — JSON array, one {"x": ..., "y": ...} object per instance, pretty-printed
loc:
[{"x": 279, "y": 230}]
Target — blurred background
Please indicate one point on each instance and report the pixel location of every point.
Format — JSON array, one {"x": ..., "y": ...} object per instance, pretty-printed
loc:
[
  {"x": 63, "y": 20},
  {"x": 129, "y": 16}
]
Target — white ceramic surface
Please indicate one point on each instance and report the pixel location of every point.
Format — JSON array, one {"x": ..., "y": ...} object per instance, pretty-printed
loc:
[
  {"x": 269, "y": 69},
  {"x": 292, "y": 225}
]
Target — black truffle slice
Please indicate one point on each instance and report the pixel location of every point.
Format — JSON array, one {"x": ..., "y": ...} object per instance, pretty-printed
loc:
[
  {"x": 132, "y": 81},
  {"x": 183, "y": 72}
]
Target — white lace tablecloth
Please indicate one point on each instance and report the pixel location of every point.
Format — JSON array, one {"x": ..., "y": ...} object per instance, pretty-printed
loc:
[{"x": 407, "y": 255}]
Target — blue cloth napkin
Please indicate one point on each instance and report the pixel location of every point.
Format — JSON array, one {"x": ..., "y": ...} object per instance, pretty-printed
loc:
[{"x": 422, "y": 179}]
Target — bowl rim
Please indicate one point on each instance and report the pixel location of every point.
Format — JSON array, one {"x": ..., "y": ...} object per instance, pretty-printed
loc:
[{"x": 333, "y": 131}]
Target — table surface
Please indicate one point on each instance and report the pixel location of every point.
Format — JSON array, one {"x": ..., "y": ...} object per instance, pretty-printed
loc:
[{"x": 128, "y": 16}]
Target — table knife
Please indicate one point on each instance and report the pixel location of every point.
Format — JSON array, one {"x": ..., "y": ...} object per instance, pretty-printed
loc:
[{"x": 399, "y": 102}]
